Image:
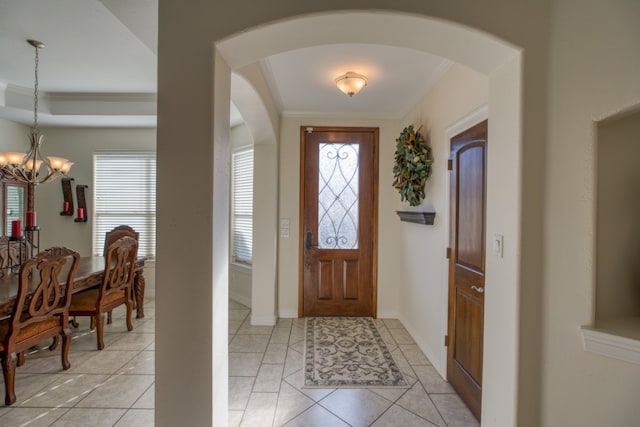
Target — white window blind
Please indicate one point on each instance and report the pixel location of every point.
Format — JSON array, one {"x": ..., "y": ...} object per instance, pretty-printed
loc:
[
  {"x": 242, "y": 206},
  {"x": 125, "y": 194}
]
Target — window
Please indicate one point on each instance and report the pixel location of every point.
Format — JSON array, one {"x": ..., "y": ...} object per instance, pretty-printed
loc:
[
  {"x": 242, "y": 206},
  {"x": 125, "y": 193}
]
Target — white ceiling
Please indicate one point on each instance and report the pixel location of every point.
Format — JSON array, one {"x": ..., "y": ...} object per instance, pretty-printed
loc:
[{"x": 99, "y": 68}]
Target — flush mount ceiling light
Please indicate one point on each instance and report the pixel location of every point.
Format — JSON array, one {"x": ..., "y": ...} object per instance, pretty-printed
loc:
[{"x": 351, "y": 83}]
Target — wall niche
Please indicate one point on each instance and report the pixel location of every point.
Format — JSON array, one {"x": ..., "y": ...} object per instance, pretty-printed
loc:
[{"x": 616, "y": 328}]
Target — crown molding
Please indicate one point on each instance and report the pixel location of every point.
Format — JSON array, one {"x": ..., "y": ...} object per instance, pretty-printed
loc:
[{"x": 82, "y": 109}]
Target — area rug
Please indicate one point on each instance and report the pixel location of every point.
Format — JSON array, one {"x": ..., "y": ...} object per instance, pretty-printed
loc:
[{"x": 348, "y": 352}]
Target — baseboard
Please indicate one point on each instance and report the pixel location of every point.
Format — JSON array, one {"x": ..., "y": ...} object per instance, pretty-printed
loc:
[
  {"x": 263, "y": 320},
  {"x": 435, "y": 361},
  {"x": 241, "y": 299},
  {"x": 288, "y": 314},
  {"x": 387, "y": 315}
]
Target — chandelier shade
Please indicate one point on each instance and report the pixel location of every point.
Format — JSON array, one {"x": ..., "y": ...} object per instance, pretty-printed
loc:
[
  {"x": 351, "y": 83},
  {"x": 25, "y": 167}
]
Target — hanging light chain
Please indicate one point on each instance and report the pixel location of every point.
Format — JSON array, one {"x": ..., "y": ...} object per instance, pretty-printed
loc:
[{"x": 35, "y": 93}]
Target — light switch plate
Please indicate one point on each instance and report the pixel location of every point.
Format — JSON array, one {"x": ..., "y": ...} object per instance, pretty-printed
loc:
[
  {"x": 498, "y": 245},
  {"x": 284, "y": 227}
]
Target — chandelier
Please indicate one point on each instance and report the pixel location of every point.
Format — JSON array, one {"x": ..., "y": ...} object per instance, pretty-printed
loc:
[{"x": 24, "y": 167}]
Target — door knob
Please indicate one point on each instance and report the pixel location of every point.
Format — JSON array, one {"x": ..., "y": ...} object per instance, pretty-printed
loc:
[{"x": 478, "y": 289}]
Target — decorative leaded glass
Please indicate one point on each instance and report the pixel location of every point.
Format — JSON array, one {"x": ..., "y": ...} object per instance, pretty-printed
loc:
[{"x": 338, "y": 196}]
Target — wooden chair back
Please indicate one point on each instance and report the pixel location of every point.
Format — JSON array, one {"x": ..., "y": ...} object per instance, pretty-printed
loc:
[
  {"x": 118, "y": 232},
  {"x": 119, "y": 261},
  {"x": 50, "y": 298},
  {"x": 41, "y": 311}
]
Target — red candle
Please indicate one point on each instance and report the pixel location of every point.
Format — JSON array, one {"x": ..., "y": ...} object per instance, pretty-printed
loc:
[
  {"x": 31, "y": 219},
  {"x": 16, "y": 228},
  {"x": 81, "y": 213},
  {"x": 65, "y": 207}
]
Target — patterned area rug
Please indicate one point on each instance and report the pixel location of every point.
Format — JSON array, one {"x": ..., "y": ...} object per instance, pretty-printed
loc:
[{"x": 348, "y": 352}]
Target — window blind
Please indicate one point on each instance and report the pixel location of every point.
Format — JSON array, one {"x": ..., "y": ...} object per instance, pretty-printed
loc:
[
  {"x": 242, "y": 206},
  {"x": 125, "y": 193}
]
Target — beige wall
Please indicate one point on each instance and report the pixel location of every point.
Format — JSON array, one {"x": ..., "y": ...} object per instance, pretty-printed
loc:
[
  {"x": 594, "y": 59},
  {"x": 618, "y": 245},
  {"x": 423, "y": 296},
  {"x": 13, "y": 136}
]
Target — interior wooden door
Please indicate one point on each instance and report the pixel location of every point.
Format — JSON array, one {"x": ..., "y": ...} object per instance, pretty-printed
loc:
[
  {"x": 339, "y": 221},
  {"x": 467, "y": 264}
]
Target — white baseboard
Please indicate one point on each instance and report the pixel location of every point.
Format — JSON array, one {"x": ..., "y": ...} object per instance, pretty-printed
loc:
[
  {"x": 263, "y": 320},
  {"x": 241, "y": 299},
  {"x": 387, "y": 315},
  {"x": 288, "y": 314}
]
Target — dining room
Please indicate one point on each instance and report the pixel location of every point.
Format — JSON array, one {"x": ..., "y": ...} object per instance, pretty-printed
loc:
[{"x": 98, "y": 296}]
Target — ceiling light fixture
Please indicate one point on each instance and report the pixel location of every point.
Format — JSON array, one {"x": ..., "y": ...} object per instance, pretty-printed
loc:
[
  {"x": 24, "y": 167},
  {"x": 351, "y": 83}
]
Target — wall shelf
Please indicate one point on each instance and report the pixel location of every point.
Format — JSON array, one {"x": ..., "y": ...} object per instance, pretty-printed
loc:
[
  {"x": 425, "y": 218},
  {"x": 618, "y": 339}
]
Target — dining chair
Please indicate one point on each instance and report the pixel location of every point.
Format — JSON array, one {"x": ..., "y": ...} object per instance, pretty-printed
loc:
[
  {"x": 110, "y": 237},
  {"x": 116, "y": 233},
  {"x": 115, "y": 289},
  {"x": 40, "y": 311}
]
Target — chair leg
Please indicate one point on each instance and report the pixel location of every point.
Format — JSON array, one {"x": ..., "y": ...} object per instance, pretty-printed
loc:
[
  {"x": 74, "y": 322},
  {"x": 109, "y": 317},
  {"x": 9, "y": 371},
  {"x": 54, "y": 344},
  {"x": 92, "y": 326},
  {"x": 99, "y": 319},
  {"x": 66, "y": 344},
  {"x": 129, "y": 322},
  {"x": 21, "y": 358}
]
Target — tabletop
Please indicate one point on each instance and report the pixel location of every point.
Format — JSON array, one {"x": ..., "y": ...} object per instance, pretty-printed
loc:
[{"x": 88, "y": 274}]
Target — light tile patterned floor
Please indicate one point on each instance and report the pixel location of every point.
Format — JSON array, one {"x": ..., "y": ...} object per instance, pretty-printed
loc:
[
  {"x": 115, "y": 386},
  {"x": 265, "y": 378},
  {"x": 112, "y": 387}
]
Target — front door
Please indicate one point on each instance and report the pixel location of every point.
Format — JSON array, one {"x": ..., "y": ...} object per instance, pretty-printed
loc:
[
  {"x": 467, "y": 264},
  {"x": 339, "y": 221}
]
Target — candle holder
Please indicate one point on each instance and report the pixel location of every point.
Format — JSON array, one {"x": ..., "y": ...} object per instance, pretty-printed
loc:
[
  {"x": 82, "y": 204},
  {"x": 67, "y": 207},
  {"x": 33, "y": 240},
  {"x": 16, "y": 257}
]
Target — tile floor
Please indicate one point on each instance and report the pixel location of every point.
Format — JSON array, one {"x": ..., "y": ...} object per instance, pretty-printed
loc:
[
  {"x": 112, "y": 387},
  {"x": 115, "y": 387},
  {"x": 265, "y": 378}
]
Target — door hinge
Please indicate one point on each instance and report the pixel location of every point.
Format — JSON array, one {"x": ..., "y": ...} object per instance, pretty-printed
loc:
[
  {"x": 448, "y": 253},
  {"x": 450, "y": 165},
  {"x": 446, "y": 340},
  {"x": 309, "y": 129}
]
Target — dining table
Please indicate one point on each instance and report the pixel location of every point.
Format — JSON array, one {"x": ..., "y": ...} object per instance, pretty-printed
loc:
[{"x": 88, "y": 275}]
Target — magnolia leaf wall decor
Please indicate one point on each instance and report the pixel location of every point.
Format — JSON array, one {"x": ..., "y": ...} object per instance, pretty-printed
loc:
[{"x": 412, "y": 165}]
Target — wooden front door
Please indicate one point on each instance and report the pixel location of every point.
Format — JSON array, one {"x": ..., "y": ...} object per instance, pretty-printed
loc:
[
  {"x": 467, "y": 264},
  {"x": 339, "y": 221}
]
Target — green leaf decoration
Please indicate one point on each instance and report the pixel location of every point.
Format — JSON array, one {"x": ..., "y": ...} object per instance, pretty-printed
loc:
[{"x": 412, "y": 166}]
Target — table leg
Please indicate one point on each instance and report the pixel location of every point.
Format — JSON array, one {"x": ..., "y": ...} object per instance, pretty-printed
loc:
[{"x": 138, "y": 290}]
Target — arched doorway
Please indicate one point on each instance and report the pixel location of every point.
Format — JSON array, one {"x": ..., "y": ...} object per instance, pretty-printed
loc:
[{"x": 497, "y": 60}]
